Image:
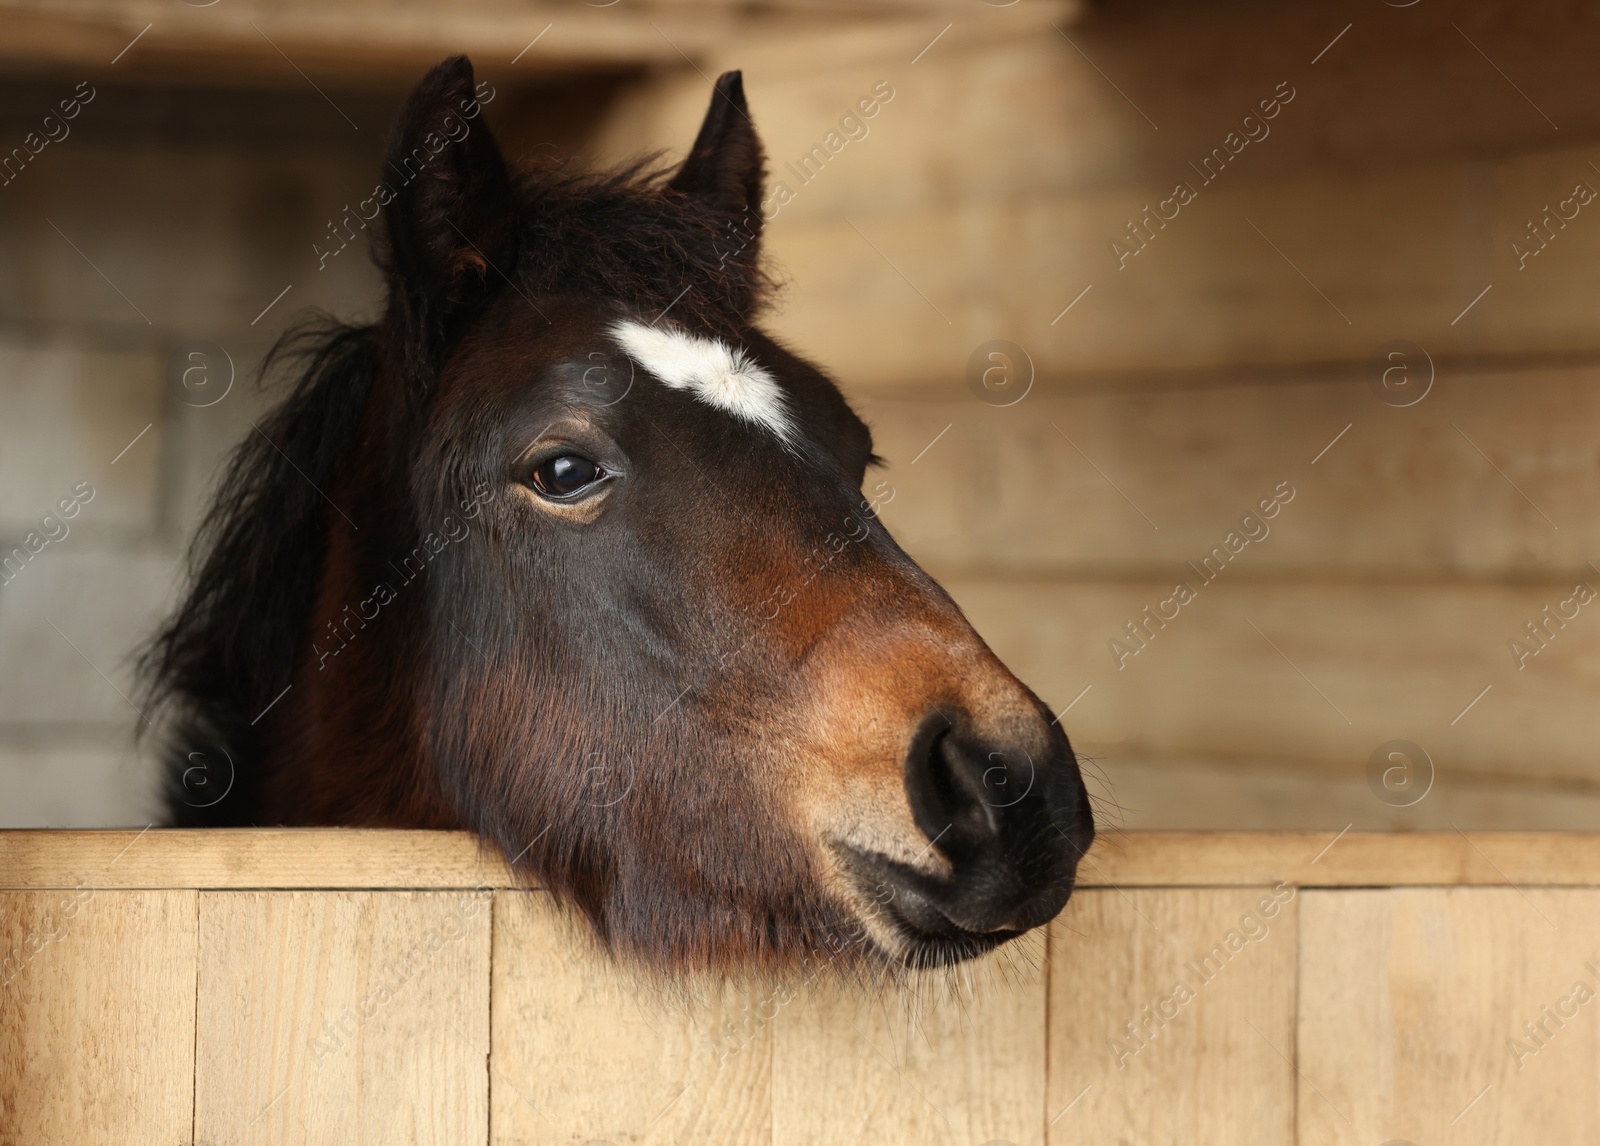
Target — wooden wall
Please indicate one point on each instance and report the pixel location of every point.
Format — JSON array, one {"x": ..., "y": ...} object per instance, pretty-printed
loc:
[
  {"x": 376, "y": 987},
  {"x": 1229, "y": 353},
  {"x": 1173, "y": 389}
]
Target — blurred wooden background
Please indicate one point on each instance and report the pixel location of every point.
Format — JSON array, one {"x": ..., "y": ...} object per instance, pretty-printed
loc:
[{"x": 1415, "y": 159}]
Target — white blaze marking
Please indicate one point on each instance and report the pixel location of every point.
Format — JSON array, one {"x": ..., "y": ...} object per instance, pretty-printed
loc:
[{"x": 716, "y": 373}]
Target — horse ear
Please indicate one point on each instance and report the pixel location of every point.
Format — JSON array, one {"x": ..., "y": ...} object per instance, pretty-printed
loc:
[
  {"x": 450, "y": 221},
  {"x": 726, "y": 167}
]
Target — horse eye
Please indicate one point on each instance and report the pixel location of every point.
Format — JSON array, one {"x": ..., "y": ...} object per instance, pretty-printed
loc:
[{"x": 563, "y": 476}]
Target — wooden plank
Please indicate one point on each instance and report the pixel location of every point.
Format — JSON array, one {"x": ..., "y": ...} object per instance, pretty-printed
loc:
[
  {"x": 1364, "y": 104},
  {"x": 1143, "y": 794},
  {"x": 1320, "y": 672},
  {"x": 585, "y": 1051},
  {"x": 902, "y": 298},
  {"x": 246, "y": 858},
  {"x": 1172, "y": 1017},
  {"x": 343, "y": 1017},
  {"x": 1196, "y": 75},
  {"x": 1367, "y": 104},
  {"x": 914, "y": 150},
  {"x": 97, "y": 1016},
  {"x": 1402, "y": 493},
  {"x": 372, "y": 44},
  {"x": 379, "y": 860},
  {"x": 1415, "y": 1015},
  {"x": 1343, "y": 859},
  {"x": 948, "y": 1059}
]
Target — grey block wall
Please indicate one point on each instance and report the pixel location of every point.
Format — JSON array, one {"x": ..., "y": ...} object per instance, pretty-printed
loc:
[{"x": 164, "y": 218}]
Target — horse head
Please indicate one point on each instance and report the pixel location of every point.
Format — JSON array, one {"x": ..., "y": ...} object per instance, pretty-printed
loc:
[{"x": 570, "y": 553}]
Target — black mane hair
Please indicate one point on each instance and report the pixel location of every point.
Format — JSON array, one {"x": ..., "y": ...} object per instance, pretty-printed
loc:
[
  {"x": 232, "y": 643},
  {"x": 624, "y": 237}
]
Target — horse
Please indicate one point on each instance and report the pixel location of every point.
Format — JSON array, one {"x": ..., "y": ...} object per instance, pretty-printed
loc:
[{"x": 565, "y": 551}]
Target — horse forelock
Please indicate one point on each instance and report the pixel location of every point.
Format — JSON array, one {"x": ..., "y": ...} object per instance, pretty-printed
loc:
[{"x": 625, "y": 236}]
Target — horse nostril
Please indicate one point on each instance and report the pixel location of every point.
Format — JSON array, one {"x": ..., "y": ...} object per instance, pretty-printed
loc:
[
  {"x": 956, "y": 789},
  {"x": 1012, "y": 821}
]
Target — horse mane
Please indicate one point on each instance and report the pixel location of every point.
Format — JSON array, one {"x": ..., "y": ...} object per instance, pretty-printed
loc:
[{"x": 232, "y": 644}]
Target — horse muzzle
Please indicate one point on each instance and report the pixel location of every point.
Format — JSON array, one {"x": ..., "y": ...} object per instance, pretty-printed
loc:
[{"x": 1006, "y": 821}]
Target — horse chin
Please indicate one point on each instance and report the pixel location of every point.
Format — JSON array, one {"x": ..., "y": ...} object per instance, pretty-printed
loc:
[
  {"x": 904, "y": 926},
  {"x": 913, "y": 949}
]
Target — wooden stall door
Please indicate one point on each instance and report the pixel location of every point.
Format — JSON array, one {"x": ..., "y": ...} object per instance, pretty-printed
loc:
[
  {"x": 1172, "y": 1017},
  {"x": 342, "y": 1017},
  {"x": 1460, "y": 1015},
  {"x": 97, "y": 1016},
  {"x": 1198, "y": 991}
]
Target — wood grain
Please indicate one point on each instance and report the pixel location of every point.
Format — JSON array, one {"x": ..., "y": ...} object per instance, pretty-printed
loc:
[
  {"x": 343, "y": 1017},
  {"x": 1185, "y": 794},
  {"x": 97, "y": 1016},
  {"x": 1172, "y": 1017},
  {"x": 585, "y": 1051},
  {"x": 1048, "y": 486},
  {"x": 1343, "y": 859},
  {"x": 901, "y": 299},
  {"x": 1413, "y": 1005},
  {"x": 1047, "y": 120},
  {"x": 250, "y": 858},
  {"x": 952, "y": 1059},
  {"x": 377, "y": 860},
  {"x": 1319, "y": 673},
  {"x": 396, "y": 42}
]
